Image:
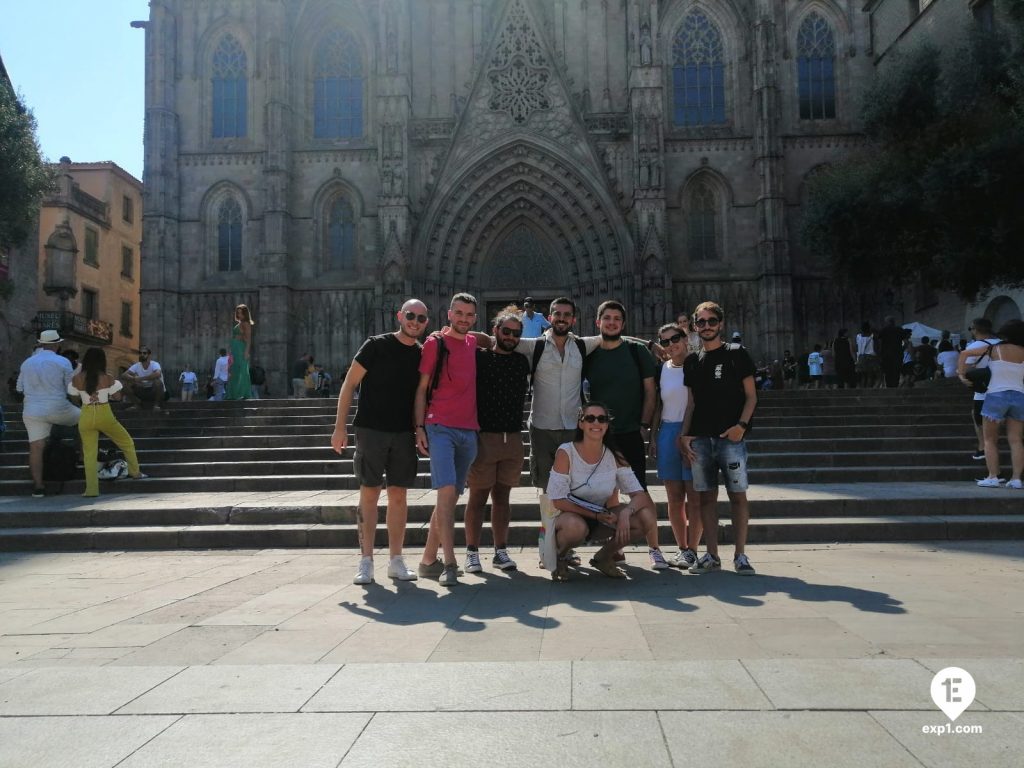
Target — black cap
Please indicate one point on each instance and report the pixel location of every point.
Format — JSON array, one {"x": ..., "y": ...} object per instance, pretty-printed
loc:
[{"x": 528, "y": 301}]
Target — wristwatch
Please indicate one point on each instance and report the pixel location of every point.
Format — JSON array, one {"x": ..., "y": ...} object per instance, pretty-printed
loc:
[
  {"x": 744, "y": 424},
  {"x": 645, "y": 425}
]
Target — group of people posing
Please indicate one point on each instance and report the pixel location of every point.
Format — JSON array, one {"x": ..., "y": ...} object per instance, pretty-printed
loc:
[{"x": 458, "y": 398}]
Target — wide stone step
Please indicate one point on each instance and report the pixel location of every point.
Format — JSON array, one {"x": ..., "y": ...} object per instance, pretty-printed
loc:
[{"x": 940, "y": 527}]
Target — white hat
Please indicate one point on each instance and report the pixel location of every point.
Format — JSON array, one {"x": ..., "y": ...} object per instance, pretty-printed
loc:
[
  {"x": 736, "y": 335},
  {"x": 49, "y": 337}
]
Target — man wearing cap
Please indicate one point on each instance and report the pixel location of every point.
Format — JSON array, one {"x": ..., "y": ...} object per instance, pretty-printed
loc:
[
  {"x": 44, "y": 380},
  {"x": 533, "y": 324}
]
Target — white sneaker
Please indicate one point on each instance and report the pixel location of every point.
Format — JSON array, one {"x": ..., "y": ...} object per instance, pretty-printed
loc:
[
  {"x": 684, "y": 558},
  {"x": 473, "y": 562},
  {"x": 658, "y": 561},
  {"x": 364, "y": 575},
  {"x": 1015, "y": 484},
  {"x": 398, "y": 570},
  {"x": 990, "y": 482}
]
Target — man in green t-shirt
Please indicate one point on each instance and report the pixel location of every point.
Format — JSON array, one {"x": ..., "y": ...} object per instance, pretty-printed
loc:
[{"x": 621, "y": 376}]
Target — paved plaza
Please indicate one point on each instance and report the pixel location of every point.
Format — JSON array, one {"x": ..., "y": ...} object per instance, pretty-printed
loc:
[{"x": 272, "y": 658}]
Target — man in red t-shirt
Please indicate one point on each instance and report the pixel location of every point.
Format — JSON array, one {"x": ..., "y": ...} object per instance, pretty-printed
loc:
[{"x": 446, "y": 428}]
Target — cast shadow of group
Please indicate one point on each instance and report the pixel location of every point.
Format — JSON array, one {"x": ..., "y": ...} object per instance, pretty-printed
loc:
[{"x": 527, "y": 599}]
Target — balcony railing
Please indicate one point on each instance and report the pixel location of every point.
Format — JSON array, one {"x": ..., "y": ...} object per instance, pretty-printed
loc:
[{"x": 75, "y": 326}]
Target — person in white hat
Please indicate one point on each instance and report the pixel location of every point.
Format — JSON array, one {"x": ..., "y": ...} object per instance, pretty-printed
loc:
[{"x": 44, "y": 379}]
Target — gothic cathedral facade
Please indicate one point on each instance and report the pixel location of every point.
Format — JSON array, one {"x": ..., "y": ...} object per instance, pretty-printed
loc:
[{"x": 322, "y": 160}]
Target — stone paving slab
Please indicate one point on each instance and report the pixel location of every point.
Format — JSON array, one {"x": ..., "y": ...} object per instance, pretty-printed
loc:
[
  {"x": 78, "y": 691},
  {"x": 75, "y": 742}
]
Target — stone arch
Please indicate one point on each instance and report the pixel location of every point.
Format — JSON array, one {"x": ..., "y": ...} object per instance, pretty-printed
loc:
[
  {"x": 843, "y": 37},
  {"x": 524, "y": 258},
  {"x": 701, "y": 183},
  {"x": 1001, "y": 310},
  {"x": 732, "y": 25},
  {"x": 524, "y": 178},
  {"x": 209, "y": 210},
  {"x": 329, "y": 192}
]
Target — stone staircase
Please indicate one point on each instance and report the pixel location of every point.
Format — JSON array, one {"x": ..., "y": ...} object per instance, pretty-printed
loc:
[{"x": 825, "y": 466}]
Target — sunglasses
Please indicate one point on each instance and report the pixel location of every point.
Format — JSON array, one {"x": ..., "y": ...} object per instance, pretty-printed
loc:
[
  {"x": 670, "y": 340},
  {"x": 410, "y": 316},
  {"x": 517, "y": 332},
  {"x": 710, "y": 322},
  {"x": 591, "y": 418}
]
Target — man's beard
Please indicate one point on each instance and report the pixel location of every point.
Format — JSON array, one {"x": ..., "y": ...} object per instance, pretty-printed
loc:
[
  {"x": 408, "y": 335},
  {"x": 556, "y": 332},
  {"x": 609, "y": 337}
]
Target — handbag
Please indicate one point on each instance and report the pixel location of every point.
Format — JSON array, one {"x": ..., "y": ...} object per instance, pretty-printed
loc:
[{"x": 980, "y": 377}]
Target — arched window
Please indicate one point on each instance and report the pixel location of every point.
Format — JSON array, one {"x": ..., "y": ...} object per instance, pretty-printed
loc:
[
  {"x": 698, "y": 72},
  {"x": 701, "y": 223},
  {"x": 229, "y": 236},
  {"x": 230, "y": 84},
  {"x": 816, "y": 61},
  {"x": 341, "y": 235},
  {"x": 337, "y": 87}
]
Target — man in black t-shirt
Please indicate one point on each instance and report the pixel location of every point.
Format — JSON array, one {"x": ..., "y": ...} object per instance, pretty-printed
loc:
[
  {"x": 501, "y": 381},
  {"x": 718, "y": 412},
  {"x": 386, "y": 369}
]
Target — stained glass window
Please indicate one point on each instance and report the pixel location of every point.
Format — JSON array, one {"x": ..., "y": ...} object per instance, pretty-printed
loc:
[
  {"x": 230, "y": 83},
  {"x": 229, "y": 236},
  {"x": 337, "y": 87},
  {"x": 816, "y": 61},
  {"x": 341, "y": 235},
  {"x": 698, "y": 72},
  {"x": 702, "y": 212}
]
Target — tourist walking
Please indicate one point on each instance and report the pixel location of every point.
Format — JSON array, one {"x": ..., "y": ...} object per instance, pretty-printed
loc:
[
  {"x": 189, "y": 383},
  {"x": 95, "y": 388},
  {"x": 239, "y": 382},
  {"x": 978, "y": 357},
  {"x": 221, "y": 374},
  {"x": 534, "y": 323},
  {"x": 845, "y": 357},
  {"x": 868, "y": 367},
  {"x": 502, "y": 379},
  {"x": 584, "y": 485},
  {"x": 1004, "y": 401},
  {"x": 386, "y": 371},
  {"x": 718, "y": 413},
  {"x": 43, "y": 380},
  {"x": 446, "y": 427},
  {"x": 673, "y": 469},
  {"x": 889, "y": 348}
]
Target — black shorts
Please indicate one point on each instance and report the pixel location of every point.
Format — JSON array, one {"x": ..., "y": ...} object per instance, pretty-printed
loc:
[
  {"x": 385, "y": 453},
  {"x": 631, "y": 445}
]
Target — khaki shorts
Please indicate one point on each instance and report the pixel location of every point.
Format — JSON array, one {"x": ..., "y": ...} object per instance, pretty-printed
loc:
[
  {"x": 499, "y": 459},
  {"x": 38, "y": 427}
]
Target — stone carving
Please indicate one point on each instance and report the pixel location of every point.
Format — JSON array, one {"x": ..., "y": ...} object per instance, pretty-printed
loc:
[
  {"x": 519, "y": 90},
  {"x": 522, "y": 263},
  {"x": 646, "y": 57}
]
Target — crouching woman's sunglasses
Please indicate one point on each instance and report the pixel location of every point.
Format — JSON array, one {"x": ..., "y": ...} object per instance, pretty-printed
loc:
[{"x": 591, "y": 418}]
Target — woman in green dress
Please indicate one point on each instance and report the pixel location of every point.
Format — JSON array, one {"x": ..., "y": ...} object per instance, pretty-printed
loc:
[{"x": 239, "y": 385}]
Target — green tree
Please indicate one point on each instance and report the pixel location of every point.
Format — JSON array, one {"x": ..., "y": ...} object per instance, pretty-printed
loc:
[
  {"x": 938, "y": 193},
  {"x": 24, "y": 177}
]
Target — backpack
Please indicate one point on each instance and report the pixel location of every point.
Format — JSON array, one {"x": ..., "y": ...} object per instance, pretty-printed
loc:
[
  {"x": 442, "y": 358},
  {"x": 60, "y": 462}
]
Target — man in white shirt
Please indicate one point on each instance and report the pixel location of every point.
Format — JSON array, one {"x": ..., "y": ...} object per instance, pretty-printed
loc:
[
  {"x": 44, "y": 380},
  {"x": 984, "y": 338},
  {"x": 220, "y": 374},
  {"x": 144, "y": 380}
]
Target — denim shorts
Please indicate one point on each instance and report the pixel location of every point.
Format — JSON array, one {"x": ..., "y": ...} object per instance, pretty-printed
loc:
[
  {"x": 1008, "y": 404},
  {"x": 718, "y": 453},
  {"x": 452, "y": 451},
  {"x": 671, "y": 464}
]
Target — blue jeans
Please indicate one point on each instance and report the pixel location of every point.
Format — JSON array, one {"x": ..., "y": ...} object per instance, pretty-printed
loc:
[
  {"x": 452, "y": 451},
  {"x": 218, "y": 389},
  {"x": 718, "y": 453}
]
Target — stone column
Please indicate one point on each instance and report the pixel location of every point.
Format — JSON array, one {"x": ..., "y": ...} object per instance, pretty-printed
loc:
[
  {"x": 160, "y": 258},
  {"x": 275, "y": 324},
  {"x": 776, "y": 310}
]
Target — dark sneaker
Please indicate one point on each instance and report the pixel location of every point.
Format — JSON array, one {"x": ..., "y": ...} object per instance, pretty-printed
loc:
[
  {"x": 684, "y": 558},
  {"x": 743, "y": 566},
  {"x": 978, "y": 455},
  {"x": 38, "y": 493},
  {"x": 706, "y": 564},
  {"x": 502, "y": 561}
]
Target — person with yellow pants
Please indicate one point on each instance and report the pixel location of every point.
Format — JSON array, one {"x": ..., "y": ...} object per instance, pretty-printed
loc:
[{"x": 95, "y": 387}]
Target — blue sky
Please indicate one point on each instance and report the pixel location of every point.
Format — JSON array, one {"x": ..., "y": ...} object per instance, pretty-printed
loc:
[{"x": 80, "y": 68}]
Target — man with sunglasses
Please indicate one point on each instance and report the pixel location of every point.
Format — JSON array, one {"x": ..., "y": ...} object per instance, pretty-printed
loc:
[
  {"x": 501, "y": 383},
  {"x": 144, "y": 381},
  {"x": 386, "y": 370},
  {"x": 718, "y": 412}
]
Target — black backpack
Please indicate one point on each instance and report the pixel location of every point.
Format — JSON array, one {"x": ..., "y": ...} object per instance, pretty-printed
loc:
[{"x": 60, "y": 461}]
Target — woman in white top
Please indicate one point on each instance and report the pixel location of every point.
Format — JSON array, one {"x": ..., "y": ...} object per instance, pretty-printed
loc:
[
  {"x": 584, "y": 486},
  {"x": 95, "y": 388},
  {"x": 868, "y": 365},
  {"x": 189, "y": 383},
  {"x": 947, "y": 360},
  {"x": 673, "y": 469},
  {"x": 1004, "y": 400}
]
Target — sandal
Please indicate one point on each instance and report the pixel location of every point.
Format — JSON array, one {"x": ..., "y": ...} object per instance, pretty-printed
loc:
[
  {"x": 573, "y": 559},
  {"x": 607, "y": 567},
  {"x": 561, "y": 572}
]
